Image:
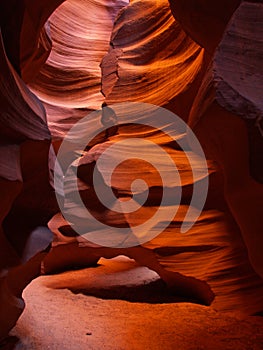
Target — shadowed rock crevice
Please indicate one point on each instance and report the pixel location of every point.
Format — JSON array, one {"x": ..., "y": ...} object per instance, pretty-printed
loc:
[{"x": 155, "y": 292}]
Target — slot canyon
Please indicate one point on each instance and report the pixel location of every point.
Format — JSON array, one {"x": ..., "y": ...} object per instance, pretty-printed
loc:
[{"x": 131, "y": 174}]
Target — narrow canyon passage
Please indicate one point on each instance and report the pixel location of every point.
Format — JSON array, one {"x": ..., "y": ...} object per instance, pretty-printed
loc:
[{"x": 72, "y": 58}]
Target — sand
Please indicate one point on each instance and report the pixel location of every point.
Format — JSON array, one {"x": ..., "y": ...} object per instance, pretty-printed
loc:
[{"x": 56, "y": 318}]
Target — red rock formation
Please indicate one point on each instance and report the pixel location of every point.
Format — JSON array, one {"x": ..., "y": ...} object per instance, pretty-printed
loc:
[
  {"x": 227, "y": 113},
  {"x": 143, "y": 58},
  {"x": 135, "y": 68},
  {"x": 25, "y": 137}
]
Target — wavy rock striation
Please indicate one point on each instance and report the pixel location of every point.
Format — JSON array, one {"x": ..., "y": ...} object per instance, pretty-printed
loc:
[{"x": 74, "y": 59}]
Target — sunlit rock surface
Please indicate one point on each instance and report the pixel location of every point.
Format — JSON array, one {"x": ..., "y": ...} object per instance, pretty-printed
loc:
[
  {"x": 112, "y": 52},
  {"x": 69, "y": 83},
  {"x": 212, "y": 250},
  {"x": 139, "y": 70}
]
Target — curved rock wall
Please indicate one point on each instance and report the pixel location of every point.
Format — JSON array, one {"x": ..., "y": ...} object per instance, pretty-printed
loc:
[
  {"x": 112, "y": 52},
  {"x": 154, "y": 59}
]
